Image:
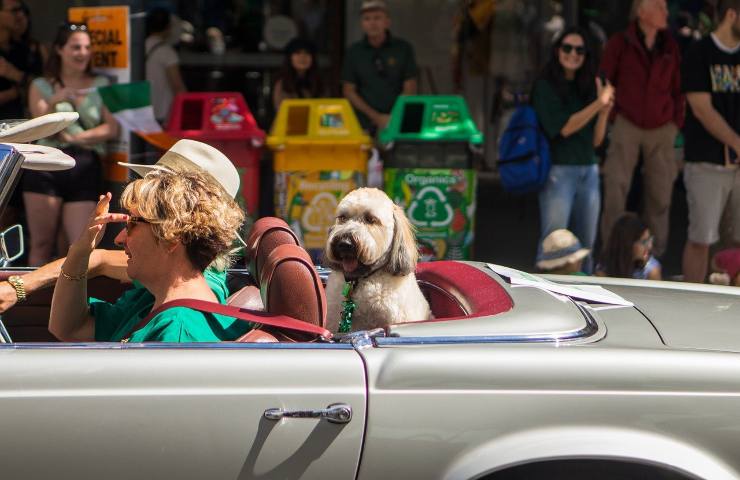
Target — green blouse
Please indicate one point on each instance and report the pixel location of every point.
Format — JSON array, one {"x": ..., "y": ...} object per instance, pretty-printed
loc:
[
  {"x": 90, "y": 110},
  {"x": 115, "y": 321},
  {"x": 553, "y": 113}
]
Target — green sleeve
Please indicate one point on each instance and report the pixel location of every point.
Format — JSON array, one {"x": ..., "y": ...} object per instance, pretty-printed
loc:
[
  {"x": 168, "y": 326},
  {"x": 410, "y": 69},
  {"x": 550, "y": 109},
  {"x": 43, "y": 86}
]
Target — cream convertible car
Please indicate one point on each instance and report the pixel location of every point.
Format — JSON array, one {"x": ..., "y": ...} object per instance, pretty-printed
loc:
[{"x": 518, "y": 377}]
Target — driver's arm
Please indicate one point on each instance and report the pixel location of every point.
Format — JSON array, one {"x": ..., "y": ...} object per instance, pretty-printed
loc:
[{"x": 109, "y": 263}]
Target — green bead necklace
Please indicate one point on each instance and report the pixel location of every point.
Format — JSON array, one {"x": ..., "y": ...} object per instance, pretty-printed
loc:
[{"x": 348, "y": 307}]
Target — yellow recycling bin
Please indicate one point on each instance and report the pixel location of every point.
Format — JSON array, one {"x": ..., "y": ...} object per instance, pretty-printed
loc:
[{"x": 320, "y": 154}]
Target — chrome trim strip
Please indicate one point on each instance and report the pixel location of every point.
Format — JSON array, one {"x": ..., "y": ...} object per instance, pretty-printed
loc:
[
  {"x": 174, "y": 346},
  {"x": 588, "y": 330}
]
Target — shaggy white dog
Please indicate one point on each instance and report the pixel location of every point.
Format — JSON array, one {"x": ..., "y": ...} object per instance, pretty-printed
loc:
[{"x": 372, "y": 246}]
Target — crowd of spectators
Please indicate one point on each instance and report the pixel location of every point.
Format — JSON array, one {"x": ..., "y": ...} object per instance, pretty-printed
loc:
[{"x": 637, "y": 95}]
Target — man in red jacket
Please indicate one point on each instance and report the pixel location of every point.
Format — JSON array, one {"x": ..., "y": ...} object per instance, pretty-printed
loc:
[{"x": 643, "y": 64}]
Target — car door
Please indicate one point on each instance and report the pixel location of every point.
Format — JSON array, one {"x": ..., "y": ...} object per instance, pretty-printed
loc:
[{"x": 178, "y": 411}]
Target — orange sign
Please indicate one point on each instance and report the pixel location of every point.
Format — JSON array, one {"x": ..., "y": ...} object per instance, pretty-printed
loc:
[{"x": 108, "y": 27}]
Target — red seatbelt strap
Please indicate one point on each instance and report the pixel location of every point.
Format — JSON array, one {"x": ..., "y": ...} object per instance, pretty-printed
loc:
[{"x": 253, "y": 316}]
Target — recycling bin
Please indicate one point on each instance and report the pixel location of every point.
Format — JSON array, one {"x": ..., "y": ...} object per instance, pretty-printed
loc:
[
  {"x": 429, "y": 147},
  {"x": 320, "y": 154},
  {"x": 223, "y": 120}
]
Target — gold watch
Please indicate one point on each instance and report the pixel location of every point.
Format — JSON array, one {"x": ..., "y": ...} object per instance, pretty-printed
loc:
[{"x": 17, "y": 283}]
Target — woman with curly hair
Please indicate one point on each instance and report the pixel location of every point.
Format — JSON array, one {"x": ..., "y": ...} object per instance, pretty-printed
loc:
[{"x": 178, "y": 223}]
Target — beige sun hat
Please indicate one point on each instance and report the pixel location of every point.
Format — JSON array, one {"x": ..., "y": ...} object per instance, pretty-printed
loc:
[
  {"x": 373, "y": 5},
  {"x": 194, "y": 155},
  {"x": 560, "y": 248},
  {"x": 18, "y": 134}
]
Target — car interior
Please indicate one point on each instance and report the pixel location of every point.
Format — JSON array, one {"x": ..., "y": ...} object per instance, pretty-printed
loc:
[{"x": 282, "y": 281}]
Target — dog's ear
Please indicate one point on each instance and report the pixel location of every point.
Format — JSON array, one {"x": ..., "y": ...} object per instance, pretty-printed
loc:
[{"x": 404, "y": 253}]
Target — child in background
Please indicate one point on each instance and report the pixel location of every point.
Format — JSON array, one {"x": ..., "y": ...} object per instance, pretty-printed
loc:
[
  {"x": 562, "y": 254},
  {"x": 628, "y": 253},
  {"x": 726, "y": 267}
]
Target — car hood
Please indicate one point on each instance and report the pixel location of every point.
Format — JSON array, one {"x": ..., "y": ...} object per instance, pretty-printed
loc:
[{"x": 688, "y": 316}]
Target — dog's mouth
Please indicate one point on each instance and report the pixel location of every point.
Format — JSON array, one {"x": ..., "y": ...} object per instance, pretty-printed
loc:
[{"x": 345, "y": 251}]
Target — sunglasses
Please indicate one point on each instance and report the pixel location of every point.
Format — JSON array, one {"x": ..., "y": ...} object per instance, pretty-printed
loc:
[
  {"x": 567, "y": 48},
  {"x": 76, "y": 27},
  {"x": 132, "y": 221}
]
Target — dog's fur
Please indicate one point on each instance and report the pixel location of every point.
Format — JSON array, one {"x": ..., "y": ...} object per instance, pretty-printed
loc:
[{"x": 373, "y": 241}]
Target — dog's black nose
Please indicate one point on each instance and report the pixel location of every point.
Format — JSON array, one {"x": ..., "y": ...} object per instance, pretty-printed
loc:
[{"x": 345, "y": 246}]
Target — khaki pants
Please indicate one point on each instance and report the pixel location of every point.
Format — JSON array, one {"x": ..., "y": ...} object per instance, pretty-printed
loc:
[{"x": 659, "y": 172}]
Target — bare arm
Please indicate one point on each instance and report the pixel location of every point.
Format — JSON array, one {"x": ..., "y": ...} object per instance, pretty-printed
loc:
[
  {"x": 350, "y": 91},
  {"x": 655, "y": 274},
  {"x": 105, "y": 131},
  {"x": 600, "y": 130},
  {"x": 174, "y": 78},
  {"x": 108, "y": 263},
  {"x": 701, "y": 106},
  {"x": 39, "y": 105},
  {"x": 410, "y": 87},
  {"x": 604, "y": 99},
  {"x": 70, "y": 318},
  {"x": 277, "y": 95},
  {"x": 8, "y": 95}
]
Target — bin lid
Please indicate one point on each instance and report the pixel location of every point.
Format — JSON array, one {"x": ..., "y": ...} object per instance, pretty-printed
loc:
[
  {"x": 213, "y": 116},
  {"x": 431, "y": 118},
  {"x": 304, "y": 121}
]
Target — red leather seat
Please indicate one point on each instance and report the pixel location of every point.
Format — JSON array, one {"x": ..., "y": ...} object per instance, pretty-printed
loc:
[
  {"x": 267, "y": 233},
  {"x": 289, "y": 285}
]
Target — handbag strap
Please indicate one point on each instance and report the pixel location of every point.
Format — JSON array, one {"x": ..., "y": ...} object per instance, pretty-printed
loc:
[{"x": 252, "y": 316}]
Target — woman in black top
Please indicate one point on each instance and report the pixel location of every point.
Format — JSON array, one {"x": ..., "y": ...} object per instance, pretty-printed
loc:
[{"x": 299, "y": 77}]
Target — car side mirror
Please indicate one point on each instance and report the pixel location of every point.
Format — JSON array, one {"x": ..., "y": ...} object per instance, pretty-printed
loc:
[{"x": 11, "y": 244}]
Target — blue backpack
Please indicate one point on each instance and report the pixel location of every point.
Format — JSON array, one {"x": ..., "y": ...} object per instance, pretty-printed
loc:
[{"x": 523, "y": 153}]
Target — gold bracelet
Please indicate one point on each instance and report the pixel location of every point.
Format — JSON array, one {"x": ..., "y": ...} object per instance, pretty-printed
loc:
[{"x": 74, "y": 278}]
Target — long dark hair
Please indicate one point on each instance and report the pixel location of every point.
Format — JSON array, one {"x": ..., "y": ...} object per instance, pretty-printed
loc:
[
  {"x": 53, "y": 69},
  {"x": 553, "y": 71},
  {"x": 619, "y": 260},
  {"x": 311, "y": 80}
]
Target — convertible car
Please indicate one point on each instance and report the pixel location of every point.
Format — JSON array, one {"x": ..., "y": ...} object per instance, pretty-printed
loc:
[{"x": 517, "y": 377}]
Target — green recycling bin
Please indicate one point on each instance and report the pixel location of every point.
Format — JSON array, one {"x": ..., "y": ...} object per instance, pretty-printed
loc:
[{"x": 428, "y": 150}]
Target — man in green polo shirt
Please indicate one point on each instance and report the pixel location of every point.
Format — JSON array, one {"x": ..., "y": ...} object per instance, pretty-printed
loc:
[{"x": 378, "y": 68}]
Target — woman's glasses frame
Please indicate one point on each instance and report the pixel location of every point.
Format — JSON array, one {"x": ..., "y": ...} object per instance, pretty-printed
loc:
[
  {"x": 567, "y": 48},
  {"x": 132, "y": 221}
]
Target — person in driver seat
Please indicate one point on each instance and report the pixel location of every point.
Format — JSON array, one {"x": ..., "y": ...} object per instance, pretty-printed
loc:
[{"x": 178, "y": 223}]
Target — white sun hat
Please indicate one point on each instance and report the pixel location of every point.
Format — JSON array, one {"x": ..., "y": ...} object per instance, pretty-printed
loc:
[
  {"x": 560, "y": 248},
  {"x": 194, "y": 155}
]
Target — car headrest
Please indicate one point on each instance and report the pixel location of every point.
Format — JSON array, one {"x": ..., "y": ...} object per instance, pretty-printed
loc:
[
  {"x": 291, "y": 286},
  {"x": 246, "y": 297},
  {"x": 267, "y": 233}
]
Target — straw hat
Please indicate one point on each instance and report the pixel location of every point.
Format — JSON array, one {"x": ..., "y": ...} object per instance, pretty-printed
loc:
[
  {"x": 560, "y": 248},
  {"x": 194, "y": 155}
]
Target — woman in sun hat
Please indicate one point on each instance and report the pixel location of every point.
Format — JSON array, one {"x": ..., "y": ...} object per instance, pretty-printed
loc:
[
  {"x": 562, "y": 253},
  {"x": 178, "y": 223}
]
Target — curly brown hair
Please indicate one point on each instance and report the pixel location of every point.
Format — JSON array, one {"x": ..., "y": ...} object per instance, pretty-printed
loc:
[{"x": 187, "y": 207}]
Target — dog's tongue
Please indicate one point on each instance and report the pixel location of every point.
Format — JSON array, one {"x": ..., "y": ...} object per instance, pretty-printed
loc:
[{"x": 349, "y": 264}]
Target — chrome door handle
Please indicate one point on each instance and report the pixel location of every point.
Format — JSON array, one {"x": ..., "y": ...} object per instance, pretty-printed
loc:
[{"x": 334, "y": 413}]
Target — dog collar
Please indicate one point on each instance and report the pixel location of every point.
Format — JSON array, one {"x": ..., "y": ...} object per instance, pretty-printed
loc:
[{"x": 348, "y": 307}]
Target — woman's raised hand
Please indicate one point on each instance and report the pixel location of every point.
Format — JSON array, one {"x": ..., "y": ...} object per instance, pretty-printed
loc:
[
  {"x": 604, "y": 93},
  {"x": 99, "y": 218}
]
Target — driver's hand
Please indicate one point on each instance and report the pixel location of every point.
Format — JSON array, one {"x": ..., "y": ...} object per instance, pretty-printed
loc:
[{"x": 8, "y": 298}]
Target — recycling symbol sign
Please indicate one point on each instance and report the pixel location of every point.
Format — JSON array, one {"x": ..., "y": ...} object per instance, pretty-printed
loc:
[{"x": 430, "y": 208}]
